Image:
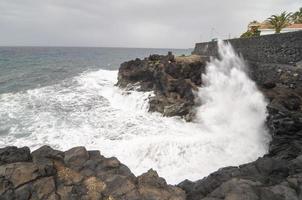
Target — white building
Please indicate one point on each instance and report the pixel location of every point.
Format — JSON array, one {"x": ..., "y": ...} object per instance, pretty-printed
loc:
[{"x": 267, "y": 29}]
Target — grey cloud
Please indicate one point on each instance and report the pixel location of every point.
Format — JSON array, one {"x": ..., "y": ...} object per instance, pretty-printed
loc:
[{"x": 130, "y": 23}]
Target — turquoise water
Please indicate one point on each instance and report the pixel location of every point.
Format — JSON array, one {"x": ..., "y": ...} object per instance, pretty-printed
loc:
[{"x": 23, "y": 68}]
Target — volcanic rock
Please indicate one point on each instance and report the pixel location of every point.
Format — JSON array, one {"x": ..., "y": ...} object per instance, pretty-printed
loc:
[
  {"x": 76, "y": 174},
  {"x": 172, "y": 79},
  {"x": 277, "y": 175}
]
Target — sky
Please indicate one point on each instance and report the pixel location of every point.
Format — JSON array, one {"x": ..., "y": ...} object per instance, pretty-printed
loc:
[{"x": 130, "y": 23}]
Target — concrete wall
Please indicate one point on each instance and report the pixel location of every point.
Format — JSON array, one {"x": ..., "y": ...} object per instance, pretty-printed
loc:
[{"x": 284, "y": 48}]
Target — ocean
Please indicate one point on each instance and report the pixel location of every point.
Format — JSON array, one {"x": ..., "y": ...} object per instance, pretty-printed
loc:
[
  {"x": 66, "y": 97},
  {"x": 25, "y": 68}
]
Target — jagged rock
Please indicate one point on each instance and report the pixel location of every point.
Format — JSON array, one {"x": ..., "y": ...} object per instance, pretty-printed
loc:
[
  {"x": 46, "y": 152},
  {"x": 269, "y": 85},
  {"x": 284, "y": 121},
  {"x": 266, "y": 178},
  {"x": 95, "y": 188},
  {"x": 151, "y": 186},
  {"x": 20, "y": 172},
  {"x": 76, "y": 157},
  {"x": 14, "y": 154},
  {"x": 77, "y": 174},
  {"x": 117, "y": 186},
  {"x": 44, "y": 188},
  {"x": 173, "y": 80},
  {"x": 237, "y": 189}
]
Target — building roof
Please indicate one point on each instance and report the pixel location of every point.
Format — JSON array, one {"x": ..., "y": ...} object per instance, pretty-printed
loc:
[
  {"x": 294, "y": 26},
  {"x": 266, "y": 25}
]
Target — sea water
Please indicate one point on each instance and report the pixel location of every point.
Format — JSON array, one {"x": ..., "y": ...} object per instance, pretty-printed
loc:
[{"x": 66, "y": 97}]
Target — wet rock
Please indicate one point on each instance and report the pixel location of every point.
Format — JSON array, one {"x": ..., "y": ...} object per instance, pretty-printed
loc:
[
  {"x": 44, "y": 188},
  {"x": 264, "y": 179},
  {"x": 111, "y": 163},
  {"x": 95, "y": 155},
  {"x": 173, "y": 80},
  {"x": 46, "y": 152},
  {"x": 269, "y": 85},
  {"x": 6, "y": 188},
  {"x": 285, "y": 122},
  {"x": 19, "y": 173},
  {"x": 64, "y": 192},
  {"x": 66, "y": 175},
  {"x": 151, "y": 186},
  {"x": 284, "y": 191},
  {"x": 14, "y": 154},
  {"x": 176, "y": 109},
  {"x": 111, "y": 166},
  {"x": 76, "y": 157},
  {"x": 117, "y": 186},
  {"x": 236, "y": 189},
  {"x": 155, "y": 57},
  {"x": 95, "y": 187},
  {"x": 44, "y": 157},
  {"x": 97, "y": 178}
]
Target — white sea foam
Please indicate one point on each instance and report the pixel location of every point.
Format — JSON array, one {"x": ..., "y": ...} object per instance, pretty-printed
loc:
[{"x": 90, "y": 111}]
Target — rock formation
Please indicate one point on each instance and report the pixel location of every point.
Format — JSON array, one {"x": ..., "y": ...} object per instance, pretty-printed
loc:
[
  {"x": 50, "y": 174},
  {"x": 173, "y": 81},
  {"x": 277, "y": 175},
  {"x": 80, "y": 174}
]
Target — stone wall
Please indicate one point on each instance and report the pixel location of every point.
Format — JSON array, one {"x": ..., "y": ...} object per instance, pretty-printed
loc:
[{"x": 285, "y": 48}]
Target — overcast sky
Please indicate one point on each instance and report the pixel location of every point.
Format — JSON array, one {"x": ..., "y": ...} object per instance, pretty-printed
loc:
[{"x": 130, "y": 23}]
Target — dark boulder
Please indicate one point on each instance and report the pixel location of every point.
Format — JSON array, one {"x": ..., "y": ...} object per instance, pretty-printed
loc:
[
  {"x": 76, "y": 157},
  {"x": 151, "y": 186},
  {"x": 14, "y": 154},
  {"x": 264, "y": 179},
  {"x": 78, "y": 174}
]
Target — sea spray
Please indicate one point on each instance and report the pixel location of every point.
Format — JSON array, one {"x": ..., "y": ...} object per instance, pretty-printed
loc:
[
  {"x": 231, "y": 102},
  {"x": 88, "y": 110}
]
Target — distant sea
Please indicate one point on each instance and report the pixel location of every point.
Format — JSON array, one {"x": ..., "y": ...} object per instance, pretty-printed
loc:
[{"x": 23, "y": 68}]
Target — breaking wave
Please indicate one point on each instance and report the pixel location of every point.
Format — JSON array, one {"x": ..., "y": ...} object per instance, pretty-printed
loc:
[{"x": 88, "y": 110}]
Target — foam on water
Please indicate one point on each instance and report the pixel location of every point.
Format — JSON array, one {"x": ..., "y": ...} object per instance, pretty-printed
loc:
[{"x": 88, "y": 110}]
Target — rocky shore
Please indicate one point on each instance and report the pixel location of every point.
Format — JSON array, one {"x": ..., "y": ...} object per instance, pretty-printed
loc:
[
  {"x": 75, "y": 174},
  {"x": 270, "y": 177},
  {"x": 172, "y": 79},
  {"x": 80, "y": 174}
]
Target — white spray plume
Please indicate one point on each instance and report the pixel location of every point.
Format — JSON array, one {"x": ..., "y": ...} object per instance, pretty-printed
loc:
[{"x": 231, "y": 102}]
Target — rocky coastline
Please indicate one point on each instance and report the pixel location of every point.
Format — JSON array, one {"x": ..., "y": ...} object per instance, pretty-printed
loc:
[
  {"x": 174, "y": 80},
  {"x": 266, "y": 178},
  {"x": 75, "y": 174},
  {"x": 80, "y": 174}
]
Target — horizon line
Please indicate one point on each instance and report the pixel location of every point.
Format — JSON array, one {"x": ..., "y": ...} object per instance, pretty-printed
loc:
[{"x": 59, "y": 46}]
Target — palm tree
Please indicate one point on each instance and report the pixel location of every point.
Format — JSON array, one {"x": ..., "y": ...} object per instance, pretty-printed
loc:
[
  {"x": 297, "y": 17},
  {"x": 280, "y": 21}
]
